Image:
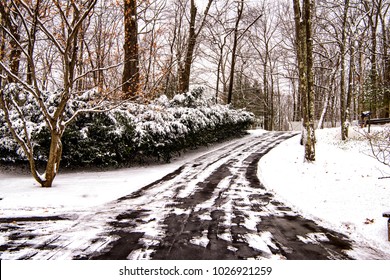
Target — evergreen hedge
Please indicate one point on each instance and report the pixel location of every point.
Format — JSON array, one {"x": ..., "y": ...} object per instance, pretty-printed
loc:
[{"x": 136, "y": 132}]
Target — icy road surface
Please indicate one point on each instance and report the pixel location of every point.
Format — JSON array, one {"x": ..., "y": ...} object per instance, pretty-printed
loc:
[{"x": 214, "y": 207}]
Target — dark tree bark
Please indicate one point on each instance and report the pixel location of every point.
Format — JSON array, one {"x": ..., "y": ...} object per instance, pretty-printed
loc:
[
  {"x": 185, "y": 72},
  {"x": 185, "y": 69},
  {"x": 343, "y": 107},
  {"x": 130, "y": 78},
  {"x": 2, "y": 47},
  {"x": 387, "y": 79},
  {"x": 31, "y": 42},
  {"x": 386, "y": 70},
  {"x": 373, "y": 11},
  {"x": 240, "y": 8},
  {"x": 7, "y": 13}
]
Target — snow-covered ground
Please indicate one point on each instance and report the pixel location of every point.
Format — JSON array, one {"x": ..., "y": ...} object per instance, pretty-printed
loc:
[
  {"x": 341, "y": 189},
  {"x": 20, "y": 195}
]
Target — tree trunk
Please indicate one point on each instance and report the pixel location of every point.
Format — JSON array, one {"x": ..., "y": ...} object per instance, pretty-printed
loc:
[
  {"x": 15, "y": 59},
  {"x": 351, "y": 83},
  {"x": 304, "y": 44},
  {"x": 8, "y": 19},
  {"x": 2, "y": 48},
  {"x": 168, "y": 91},
  {"x": 300, "y": 43},
  {"x": 360, "y": 73},
  {"x": 184, "y": 82},
  {"x": 386, "y": 74},
  {"x": 266, "y": 92},
  {"x": 373, "y": 15},
  {"x": 130, "y": 77},
  {"x": 219, "y": 68},
  {"x": 185, "y": 71},
  {"x": 31, "y": 44},
  {"x": 271, "y": 102},
  {"x": 240, "y": 8},
  {"x": 53, "y": 163},
  {"x": 343, "y": 108},
  {"x": 324, "y": 111},
  {"x": 310, "y": 142}
]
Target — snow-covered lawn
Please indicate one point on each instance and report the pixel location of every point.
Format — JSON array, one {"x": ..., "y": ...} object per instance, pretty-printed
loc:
[
  {"x": 341, "y": 189},
  {"x": 21, "y": 196}
]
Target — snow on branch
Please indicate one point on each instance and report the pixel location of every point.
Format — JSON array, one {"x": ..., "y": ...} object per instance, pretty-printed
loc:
[{"x": 379, "y": 141}]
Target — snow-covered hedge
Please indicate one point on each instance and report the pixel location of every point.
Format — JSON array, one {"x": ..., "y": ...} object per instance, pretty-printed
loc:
[{"x": 136, "y": 132}]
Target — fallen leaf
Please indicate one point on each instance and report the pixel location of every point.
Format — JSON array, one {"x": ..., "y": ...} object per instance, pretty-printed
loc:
[{"x": 369, "y": 221}]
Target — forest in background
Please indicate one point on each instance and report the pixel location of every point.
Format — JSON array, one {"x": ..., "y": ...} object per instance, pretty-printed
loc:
[{"x": 242, "y": 52}]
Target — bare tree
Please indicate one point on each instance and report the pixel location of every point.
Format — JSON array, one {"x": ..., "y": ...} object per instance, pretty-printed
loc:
[
  {"x": 240, "y": 9},
  {"x": 64, "y": 39},
  {"x": 238, "y": 34},
  {"x": 152, "y": 47},
  {"x": 266, "y": 44},
  {"x": 215, "y": 48},
  {"x": 193, "y": 34}
]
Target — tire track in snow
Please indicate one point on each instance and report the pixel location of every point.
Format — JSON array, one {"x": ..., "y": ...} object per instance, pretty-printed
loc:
[
  {"x": 214, "y": 207},
  {"x": 218, "y": 209},
  {"x": 88, "y": 232}
]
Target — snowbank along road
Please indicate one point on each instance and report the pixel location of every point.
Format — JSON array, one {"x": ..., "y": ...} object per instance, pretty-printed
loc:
[{"x": 214, "y": 207}]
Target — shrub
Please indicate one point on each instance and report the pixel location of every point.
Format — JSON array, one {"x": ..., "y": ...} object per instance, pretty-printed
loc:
[{"x": 135, "y": 131}]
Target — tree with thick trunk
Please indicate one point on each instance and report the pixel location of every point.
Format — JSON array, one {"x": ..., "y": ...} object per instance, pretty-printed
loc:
[
  {"x": 304, "y": 49},
  {"x": 131, "y": 76},
  {"x": 9, "y": 20}
]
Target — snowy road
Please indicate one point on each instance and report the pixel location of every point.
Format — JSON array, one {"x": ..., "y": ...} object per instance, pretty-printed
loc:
[{"x": 214, "y": 207}]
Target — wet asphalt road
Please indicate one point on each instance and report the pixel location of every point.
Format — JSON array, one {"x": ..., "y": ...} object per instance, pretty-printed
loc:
[
  {"x": 226, "y": 214},
  {"x": 212, "y": 208}
]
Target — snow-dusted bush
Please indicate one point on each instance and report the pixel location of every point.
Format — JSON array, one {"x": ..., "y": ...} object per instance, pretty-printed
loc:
[
  {"x": 188, "y": 120},
  {"x": 134, "y": 131},
  {"x": 27, "y": 119},
  {"x": 98, "y": 139},
  {"x": 24, "y": 115}
]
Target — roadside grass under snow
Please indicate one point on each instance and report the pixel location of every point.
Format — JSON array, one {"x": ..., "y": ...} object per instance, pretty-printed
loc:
[
  {"x": 21, "y": 195},
  {"x": 341, "y": 189}
]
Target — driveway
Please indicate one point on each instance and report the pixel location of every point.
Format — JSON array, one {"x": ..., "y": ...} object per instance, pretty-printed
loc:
[{"x": 214, "y": 207}]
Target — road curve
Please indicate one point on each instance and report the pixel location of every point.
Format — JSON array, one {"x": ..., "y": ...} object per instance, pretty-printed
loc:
[{"x": 214, "y": 207}]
